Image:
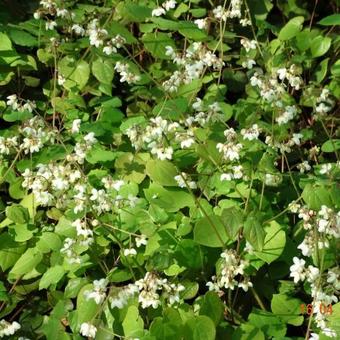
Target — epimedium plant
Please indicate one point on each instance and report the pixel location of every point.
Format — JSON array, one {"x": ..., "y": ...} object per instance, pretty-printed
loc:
[{"x": 169, "y": 170}]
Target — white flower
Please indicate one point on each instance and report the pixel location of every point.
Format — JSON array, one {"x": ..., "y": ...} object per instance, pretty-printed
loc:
[
  {"x": 313, "y": 273},
  {"x": 109, "y": 49},
  {"x": 97, "y": 36},
  {"x": 141, "y": 241},
  {"x": 61, "y": 80},
  {"x": 213, "y": 286},
  {"x": 62, "y": 12},
  {"x": 245, "y": 284},
  {"x": 220, "y": 13},
  {"x": 226, "y": 177},
  {"x": 170, "y": 4},
  {"x": 297, "y": 270},
  {"x": 325, "y": 168},
  {"x": 282, "y": 73},
  {"x": 79, "y": 30},
  {"x": 86, "y": 329},
  {"x": 163, "y": 153},
  {"x": 248, "y": 44},
  {"x": 89, "y": 138},
  {"x": 50, "y": 25},
  {"x": 314, "y": 336},
  {"x": 201, "y": 23},
  {"x": 76, "y": 126},
  {"x": 251, "y": 133},
  {"x": 157, "y": 12},
  {"x": 12, "y": 101},
  {"x": 118, "y": 184},
  {"x": 186, "y": 143},
  {"x": 245, "y": 22},
  {"x": 98, "y": 294},
  {"x": 304, "y": 166},
  {"x": 249, "y": 63},
  {"x": 272, "y": 180},
  {"x": 170, "y": 52},
  {"x": 130, "y": 252},
  {"x": 7, "y": 328}
]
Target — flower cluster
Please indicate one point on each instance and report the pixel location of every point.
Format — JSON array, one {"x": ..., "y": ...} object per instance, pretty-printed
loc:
[
  {"x": 322, "y": 228},
  {"x": 32, "y": 136},
  {"x": 8, "y": 328},
  {"x": 50, "y": 10},
  {"x": 233, "y": 11},
  {"x": 125, "y": 73},
  {"x": 193, "y": 63},
  {"x": 228, "y": 270},
  {"x": 183, "y": 181},
  {"x": 166, "y": 6},
  {"x": 20, "y": 105},
  {"x": 88, "y": 330},
  {"x": 150, "y": 289},
  {"x": 156, "y": 136},
  {"x": 230, "y": 149},
  {"x": 98, "y": 294}
]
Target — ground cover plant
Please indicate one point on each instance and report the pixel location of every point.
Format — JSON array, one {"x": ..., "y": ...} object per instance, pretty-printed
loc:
[{"x": 169, "y": 170}]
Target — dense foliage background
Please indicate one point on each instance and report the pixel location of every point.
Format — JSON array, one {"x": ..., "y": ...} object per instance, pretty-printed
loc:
[{"x": 169, "y": 170}]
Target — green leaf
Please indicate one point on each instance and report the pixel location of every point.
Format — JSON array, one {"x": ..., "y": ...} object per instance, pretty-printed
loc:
[
  {"x": 172, "y": 108},
  {"x": 190, "y": 291},
  {"x": 335, "y": 69},
  {"x": 170, "y": 199},
  {"x": 320, "y": 45},
  {"x": 274, "y": 243},
  {"x": 292, "y": 28},
  {"x": 73, "y": 287},
  {"x": 134, "y": 12},
  {"x": 333, "y": 321},
  {"x": 161, "y": 172},
  {"x": 76, "y": 73},
  {"x": 5, "y": 43},
  {"x": 188, "y": 254},
  {"x": 210, "y": 231},
  {"x": 188, "y": 90},
  {"x": 22, "y": 232},
  {"x": 27, "y": 261},
  {"x": 17, "y": 213},
  {"x": 199, "y": 328},
  {"x": 254, "y": 232},
  {"x": 103, "y": 71},
  {"x": 49, "y": 241},
  {"x": 321, "y": 70},
  {"x": 287, "y": 309},
  {"x": 156, "y": 42},
  {"x": 86, "y": 308},
  {"x": 10, "y": 251},
  {"x": 23, "y": 38},
  {"x": 52, "y": 276},
  {"x": 331, "y": 145},
  {"x": 98, "y": 155},
  {"x": 191, "y": 31},
  {"x": 212, "y": 307},
  {"x": 331, "y": 20},
  {"x": 115, "y": 28},
  {"x": 132, "y": 166},
  {"x": 13, "y": 116},
  {"x": 133, "y": 323},
  {"x": 316, "y": 196},
  {"x": 269, "y": 323},
  {"x": 233, "y": 219}
]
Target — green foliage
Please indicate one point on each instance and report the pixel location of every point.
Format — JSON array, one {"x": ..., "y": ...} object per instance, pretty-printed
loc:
[{"x": 169, "y": 170}]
